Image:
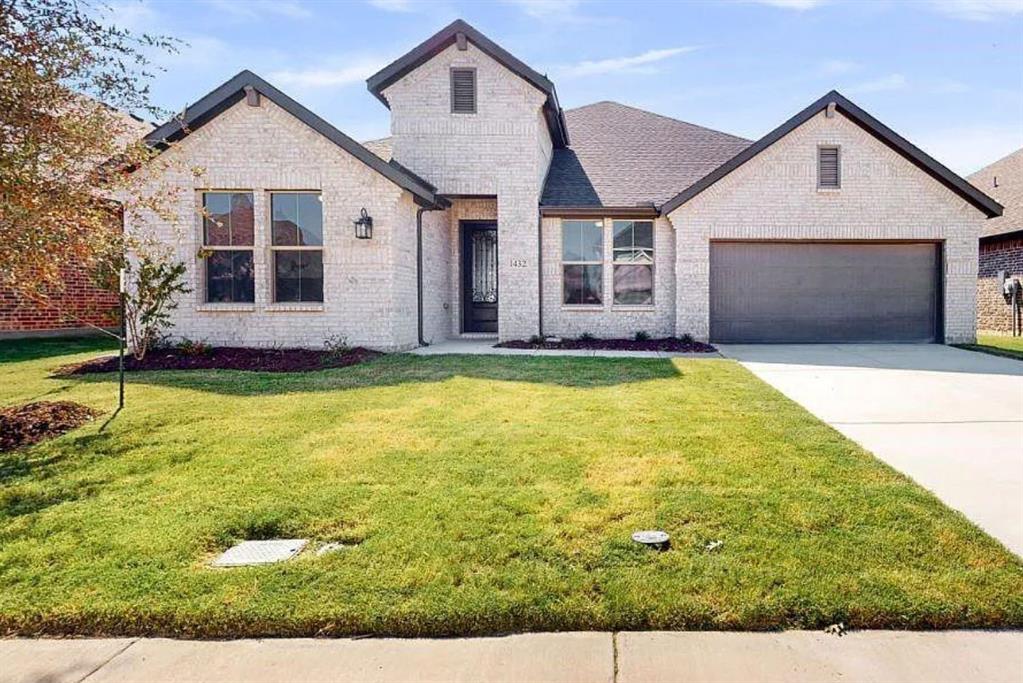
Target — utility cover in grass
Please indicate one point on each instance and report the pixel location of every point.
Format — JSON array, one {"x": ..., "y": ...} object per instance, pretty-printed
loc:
[{"x": 260, "y": 552}]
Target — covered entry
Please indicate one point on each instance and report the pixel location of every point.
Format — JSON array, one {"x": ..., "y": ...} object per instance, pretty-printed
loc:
[{"x": 792, "y": 292}]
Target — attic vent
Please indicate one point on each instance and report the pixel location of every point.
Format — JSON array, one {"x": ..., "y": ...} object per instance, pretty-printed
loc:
[
  {"x": 828, "y": 174},
  {"x": 463, "y": 91}
]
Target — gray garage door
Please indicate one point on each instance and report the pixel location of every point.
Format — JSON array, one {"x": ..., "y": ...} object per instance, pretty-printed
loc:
[{"x": 824, "y": 292}]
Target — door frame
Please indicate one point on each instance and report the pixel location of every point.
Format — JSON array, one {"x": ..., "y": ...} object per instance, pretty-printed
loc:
[{"x": 465, "y": 229}]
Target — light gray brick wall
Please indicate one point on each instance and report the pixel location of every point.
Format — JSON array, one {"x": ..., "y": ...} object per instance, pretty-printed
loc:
[
  {"x": 369, "y": 285},
  {"x": 438, "y": 300},
  {"x": 608, "y": 320},
  {"x": 775, "y": 196},
  {"x": 502, "y": 151}
]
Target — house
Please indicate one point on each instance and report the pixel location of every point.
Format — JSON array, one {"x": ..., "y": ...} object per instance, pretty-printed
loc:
[
  {"x": 83, "y": 303},
  {"x": 1001, "y": 241},
  {"x": 492, "y": 211}
]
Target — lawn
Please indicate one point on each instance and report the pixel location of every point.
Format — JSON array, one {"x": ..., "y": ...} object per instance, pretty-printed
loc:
[
  {"x": 998, "y": 345},
  {"x": 479, "y": 495}
]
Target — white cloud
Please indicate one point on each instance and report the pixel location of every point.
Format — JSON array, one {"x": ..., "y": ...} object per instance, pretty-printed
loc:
[
  {"x": 798, "y": 5},
  {"x": 139, "y": 17},
  {"x": 255, "y": 9},
  {"x": 641, "y": 63},
  {"x": 393, "y": 5},
  {"x": 354, "y": 71},
  {"x": 548, "y": 9},
  {"x": 883, "y": 84},
  {"x": 978, "y": 10},
  {"x": 837, "y": 67},
  {"x": 966, "y": 149}
]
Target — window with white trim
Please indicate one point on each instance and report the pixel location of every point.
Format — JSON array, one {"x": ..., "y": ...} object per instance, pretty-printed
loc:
[
  {"x": 228, "y": 230},
  {"x": 296, "y": 245},
  {"x": 633, "y": 255},
  {"x": 582, "y": 262}
]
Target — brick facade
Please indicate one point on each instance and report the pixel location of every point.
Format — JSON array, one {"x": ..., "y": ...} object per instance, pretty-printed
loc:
[
  {"x": 370, "y": 285},
  {"x": 775, "y": 196},
  {"x": 81, "y": 303},
  {"x": 609, "y": 320},
  {"x": 502, "y": 151},
  {"x": 993, "y": 314}
]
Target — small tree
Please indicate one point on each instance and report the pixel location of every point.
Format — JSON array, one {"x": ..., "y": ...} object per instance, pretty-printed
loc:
[
  {"x": 153, "y": 282},
  {"x": 66, "y": 76}
]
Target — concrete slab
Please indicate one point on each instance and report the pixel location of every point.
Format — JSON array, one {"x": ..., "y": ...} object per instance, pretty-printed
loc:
[
  {"x": 56, "y": 661},
  {"x": 811, "y": 657},
  {"x": 539, "y": 657},
  {"x": 950, "y": 419}
]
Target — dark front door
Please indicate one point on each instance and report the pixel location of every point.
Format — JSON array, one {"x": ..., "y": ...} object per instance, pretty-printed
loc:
[{"x": 479, "y": 276}]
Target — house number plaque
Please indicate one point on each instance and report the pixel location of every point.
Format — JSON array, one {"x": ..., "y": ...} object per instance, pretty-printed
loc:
[{"x": 518, "y": 263}]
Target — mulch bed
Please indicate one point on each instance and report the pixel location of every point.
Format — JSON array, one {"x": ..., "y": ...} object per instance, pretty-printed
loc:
[
  {"x": 673, "y": 344},
  {"x": 33, "y": 422},
  {"x": 229, "y": 358}
]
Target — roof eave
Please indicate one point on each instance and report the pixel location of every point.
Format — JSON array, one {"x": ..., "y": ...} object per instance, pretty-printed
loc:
[
  {"x": 233, "y": 91},
  {"x": 911, "y": 152},
  {"x": 439, "y": 41}
]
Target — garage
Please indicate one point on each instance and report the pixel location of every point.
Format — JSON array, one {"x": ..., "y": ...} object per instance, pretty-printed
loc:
[{"x": 809, "y": 292}]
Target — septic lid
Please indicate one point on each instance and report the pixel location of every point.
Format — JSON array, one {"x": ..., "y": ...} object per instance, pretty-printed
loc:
[{"x": 650, "y": 537}]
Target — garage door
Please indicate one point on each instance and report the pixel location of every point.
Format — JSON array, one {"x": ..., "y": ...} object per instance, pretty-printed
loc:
[{"x": 824, "y": 292}]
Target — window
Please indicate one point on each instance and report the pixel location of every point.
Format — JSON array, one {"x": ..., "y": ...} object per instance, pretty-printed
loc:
[
  {"x": 633, "y": 263},
  {"x": 463, "y": 91},
  {"x": 582, "y": 256},
  {"x": 228, "y": 225},
  {"x": 829, "y": 175},
  {"x": 297, "y": 245}
]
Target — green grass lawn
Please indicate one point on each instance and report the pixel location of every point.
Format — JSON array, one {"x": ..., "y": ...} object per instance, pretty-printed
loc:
[
  {"x": 480, "y": 494},
  {"x": 1010, "y": 347}
]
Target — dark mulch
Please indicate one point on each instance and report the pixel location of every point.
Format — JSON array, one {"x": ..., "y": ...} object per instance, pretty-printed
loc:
[
  {"x": 673, "y": 344},
  {"x": 33, "y": 422},
  {"x": 229, "y": 358}
]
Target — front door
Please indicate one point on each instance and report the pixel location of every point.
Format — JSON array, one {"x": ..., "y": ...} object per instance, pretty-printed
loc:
[{"x": 479, "y": 276}]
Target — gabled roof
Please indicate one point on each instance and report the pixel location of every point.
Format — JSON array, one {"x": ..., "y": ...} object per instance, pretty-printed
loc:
[
  {"x": 626, "y": 157},
  {"x": 447, "y": 36},
  {"x": 233, "y": 91},
  {"x": 921, "y": 159},
  {"x": 1003, "y": 180}
]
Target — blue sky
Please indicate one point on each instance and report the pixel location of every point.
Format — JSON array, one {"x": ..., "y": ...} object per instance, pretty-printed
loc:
[{"x": 947, "y": 74}]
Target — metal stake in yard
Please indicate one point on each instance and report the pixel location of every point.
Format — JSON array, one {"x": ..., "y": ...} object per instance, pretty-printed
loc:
[{"x": 120, "y": 346}]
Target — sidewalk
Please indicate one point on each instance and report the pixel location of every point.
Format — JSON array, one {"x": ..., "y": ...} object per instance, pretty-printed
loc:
[{"x": 693, "y": 657}]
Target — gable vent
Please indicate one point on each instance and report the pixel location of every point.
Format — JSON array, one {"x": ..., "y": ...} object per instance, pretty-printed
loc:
[
  {"x": 828, "y": 174},
  {"x": 463, "y": 91}
]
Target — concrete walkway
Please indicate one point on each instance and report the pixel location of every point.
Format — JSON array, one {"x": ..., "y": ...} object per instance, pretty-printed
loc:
[
  {"x": 693, "y": 657},
  {"x": 950, "y": 419},
  {"x": 485, "y": 347}
]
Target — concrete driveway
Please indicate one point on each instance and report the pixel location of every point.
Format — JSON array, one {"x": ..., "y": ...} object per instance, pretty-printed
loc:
[{"x": 950, "y": 419}]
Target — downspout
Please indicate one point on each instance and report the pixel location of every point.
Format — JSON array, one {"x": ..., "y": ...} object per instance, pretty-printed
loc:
[
  {"x": 419, "y": 272},
  {"x": 539, "y": 270}
]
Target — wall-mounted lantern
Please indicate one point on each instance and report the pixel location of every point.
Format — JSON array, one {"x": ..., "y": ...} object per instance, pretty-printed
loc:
[{"x": 364, "y": 226}]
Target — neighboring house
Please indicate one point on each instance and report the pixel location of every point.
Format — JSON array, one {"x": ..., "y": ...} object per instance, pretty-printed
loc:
[
  {"x": 494, "y": 212},
  {"x": 82, "y": 304},
  {"x": 1001, "y": 241}
]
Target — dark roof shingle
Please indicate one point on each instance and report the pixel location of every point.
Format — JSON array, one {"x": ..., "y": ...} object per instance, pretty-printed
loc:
[
  {"x": 1008, "y": 192},
  {"x": 622, "y": 156}
]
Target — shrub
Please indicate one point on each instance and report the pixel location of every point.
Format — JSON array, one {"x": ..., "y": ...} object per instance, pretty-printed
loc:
[
  {"x": 153, "y": 283},
  {"x": 189, "y": 347},
  {"x": 686, "y": 338},
  {"x": 336, "y": 345},
  {"x": 536, "y": 340},
  {"x": 587, "y": 337},
  {"x": 642, "y": 336}
]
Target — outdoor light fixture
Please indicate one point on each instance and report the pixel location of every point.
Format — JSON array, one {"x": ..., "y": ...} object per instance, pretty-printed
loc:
[{"x": 364, "y": 226}]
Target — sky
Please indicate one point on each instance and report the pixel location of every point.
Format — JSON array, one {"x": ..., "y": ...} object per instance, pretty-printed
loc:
[{"x": 946, "y": 74}]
